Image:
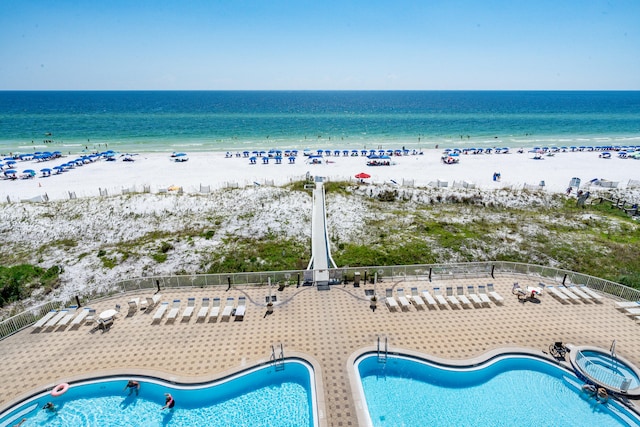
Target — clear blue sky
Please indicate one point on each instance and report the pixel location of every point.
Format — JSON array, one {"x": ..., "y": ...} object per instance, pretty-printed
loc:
[{"x": 320, "y": 44}]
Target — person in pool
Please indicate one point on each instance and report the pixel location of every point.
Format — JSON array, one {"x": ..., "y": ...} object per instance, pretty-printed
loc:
[
  {"x": 133, "y": 385},
  {"x": 168, "y": 401},
  {"x": 49, "y": 407}
]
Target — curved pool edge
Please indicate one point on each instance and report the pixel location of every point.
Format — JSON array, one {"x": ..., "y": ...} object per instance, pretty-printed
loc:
[
  {"x": 357, "y": 392},
  {"x": 318, "y": 395}
]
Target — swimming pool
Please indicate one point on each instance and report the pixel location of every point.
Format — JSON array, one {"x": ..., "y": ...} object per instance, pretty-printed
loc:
[
  {"x": 507, "y": 390},
  {"x": 602, "y": 368},
  {"x": 262, "y": 396}
]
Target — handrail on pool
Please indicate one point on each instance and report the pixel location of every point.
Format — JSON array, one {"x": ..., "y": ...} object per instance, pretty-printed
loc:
[{"x": 602, "y": 375}]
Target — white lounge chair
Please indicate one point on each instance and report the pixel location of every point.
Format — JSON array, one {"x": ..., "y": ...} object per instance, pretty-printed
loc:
[
  {"x": 430, "y": 301},
  {"x": 152, "y": 301},
  {"x": 204, "y": 310},
  {"x": 188, "y": 311},
  {"x": 582, "y": 295},
  {"x": 633, "y": 311},
  {"x": 623, "y": 305},
  {"x": 80, "y": 318},
  {"x": 242, "y": 306},
  {"x": 55, "y": 319},
  {"x": 464, "y": 301},
  {"x": 133, "y": 306},
  {"x": 482, "y": 293},
  {"x": 391, "y": 301},
  {"x": 175, "y": 309},
  {"x": 493, "y": 294},
  {"x": 587, "y": 290},
  {"x": 438, "y": 294},
  {"x": 228, "y": 308},
  {"x": 71, "y": 313},
  {"x": 471, "y": 293},
  {"x": 215, "y": 310},
  {"x": 91, "y": 316},
  {"x": 559, "y": 295},
  {"x": 404, "y": 302},
  {"x": 159, "y": 314},
  {"x": 572, "y": 297},
  {"x": 415, "y": 297},
  {"x": 452, "y": 298},
  {"x": 43, "y": 320}
]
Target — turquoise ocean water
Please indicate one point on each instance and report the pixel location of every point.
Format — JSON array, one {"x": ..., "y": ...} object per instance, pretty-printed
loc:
[{"x": 237, "y": 120}]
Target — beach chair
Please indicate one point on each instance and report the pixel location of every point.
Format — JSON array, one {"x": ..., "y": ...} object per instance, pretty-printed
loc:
[
  {"x": 582, "y": 295},
  {"x": 228, "y": 308},
  {"x": 430, "y": 301},
  {"x": 215, "y": 310},
  {"x": 464, "y": 301},
  {"x": 391, "y": 301},
  {"x": 632, "y": 311},
  {"x": 572, "y": 297},
  {"x": 493, "y": 294},
  {"x": 587, "y": 290},
  {"x": 43, "y": 320},
  {"x": 71, "y": 313},
  {"x": 80, "y": 318},
  {"x": 133, "y": 306},
  {"x": 453, "y": 301},
  {"x": 437, "y": 293},
  {"x": 152, "y": 301},
  {"x": 55, "y": 319},
  {"x": 475, "y": 299},
  {"x": 482, "y": 293},
  {"x": 188, "y": 311},
  {"x": 175, "y": 309},
  {"x": 417, "y": 300},
  {"x": 623, "y": 305},
  {"x": 159, "y": 314},
  {"x": 242, "y": 307},
  {"x": 402, "y": 299},
  {"x": 562, "y": 297},
  {"x": 91, "y": 316},
  {"x": 204, "y": 309}
]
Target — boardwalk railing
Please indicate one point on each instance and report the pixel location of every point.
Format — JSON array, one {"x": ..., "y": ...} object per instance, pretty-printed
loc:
[{"x": 297, "y": 277}]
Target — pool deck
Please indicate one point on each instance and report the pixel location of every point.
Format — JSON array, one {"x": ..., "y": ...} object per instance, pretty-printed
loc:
[{"x": 327, "y": 326}]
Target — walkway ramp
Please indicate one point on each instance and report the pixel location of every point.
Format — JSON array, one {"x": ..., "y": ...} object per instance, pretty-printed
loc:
[{"x": 320, "y": 253}]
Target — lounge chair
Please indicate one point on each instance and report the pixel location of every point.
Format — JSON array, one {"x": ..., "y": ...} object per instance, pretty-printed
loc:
[
  {"x": 452, "y": 298},
  {"x": 175, "y": 309},
  {"x": 632, "y": 311},
  {"x": 404, "y": 302},
  {"x": 464, "y": 301},
  {"x": 587, "y": 290},
  {"x": 215, "y": 310},
  {"x": 55, "y": 319},
  {"x": 204, "y": 310},
  {"x": 493, "y": 294},
  {"x": 623, "y": 305},
  {"x": 557, "y": 294},
  {"x": 482, "y": 293},
  {"x": 71, "y": 313},
  {"x": 228, "y": 308},
  {"x": 582, "y": 295},
  {"x": 391, "y": 301},
  {"x": 160, "y": 311},
  {"x": 91, "y": 316},
  {"x": 415, "y": 297},
  {"x": 471, "y": 293},
  {"x": 572, "y": 297},
  {"x": 152, "y": 301},
  {"x": 242, "y": 306},
  {"x": 188, "y": 312},
  {"x": 430, "y": 301},
  {"x": 80, "y": 318},
  {"x": 438, "y": 294},
  {"x": 133, "y": 306},
  {"x": 41, "y": 322}
]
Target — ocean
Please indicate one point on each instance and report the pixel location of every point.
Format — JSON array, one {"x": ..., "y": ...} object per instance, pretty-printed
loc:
[{"x": 166, "y": 121}]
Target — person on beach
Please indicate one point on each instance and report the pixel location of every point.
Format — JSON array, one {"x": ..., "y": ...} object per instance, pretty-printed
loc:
[
  {"x": 169, "y": 402},
  {"x": 132, "y": 385}
]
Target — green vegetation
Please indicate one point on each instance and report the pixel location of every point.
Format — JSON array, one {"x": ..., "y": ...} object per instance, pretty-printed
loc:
[{"x": 19, "y": 281}]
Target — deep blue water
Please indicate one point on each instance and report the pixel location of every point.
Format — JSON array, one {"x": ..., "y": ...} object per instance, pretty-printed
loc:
[{"x": 222, "y": 120}]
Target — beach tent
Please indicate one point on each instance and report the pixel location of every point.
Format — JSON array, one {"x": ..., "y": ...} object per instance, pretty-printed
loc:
[
  {"x": 28, "y": 174},
  {"x": 363, "y": 175}
]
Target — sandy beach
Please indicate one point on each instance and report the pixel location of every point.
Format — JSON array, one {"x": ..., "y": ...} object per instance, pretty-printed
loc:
[{"x": 158, "y": 172}]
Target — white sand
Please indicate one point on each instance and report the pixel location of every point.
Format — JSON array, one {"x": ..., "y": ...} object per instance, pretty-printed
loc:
[{"x": 216, "y": 171}]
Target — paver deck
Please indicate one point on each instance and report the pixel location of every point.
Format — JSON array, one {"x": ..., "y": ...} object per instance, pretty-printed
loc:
[{"x": 327, "y": 326}]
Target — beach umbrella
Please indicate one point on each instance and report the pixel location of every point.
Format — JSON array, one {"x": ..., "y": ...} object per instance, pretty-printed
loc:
[{"x": 363, "y": 175}]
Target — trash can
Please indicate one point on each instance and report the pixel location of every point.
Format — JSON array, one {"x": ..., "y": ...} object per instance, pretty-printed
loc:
[
  {"x": 575, "y": 182},
  {"x": 356, "y": 279}
]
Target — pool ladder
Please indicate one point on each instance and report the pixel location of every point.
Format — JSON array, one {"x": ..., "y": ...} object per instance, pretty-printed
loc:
[
  {"x": 278, "y": 361},
  {"x": 382, "y": 353}
]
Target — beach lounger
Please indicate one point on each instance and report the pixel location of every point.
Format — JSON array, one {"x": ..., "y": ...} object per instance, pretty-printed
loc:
[
  {"x": 71, "y": 313},
  {"x": 623, "y": 305},
  {"x": 430, "y": 301},
  {"x": 633, "y": 311},
  {"x": 55, "y": 319},
  {"x": 242, "y": 306},
  {"x": 582, "y": 295},
  {"x": 452, "y": 298},
  {"x": 587, "y": 290},
  {"x": 80, "y": 318},
  {"x": 559, "y": 295},
  {"x": 391, "y": 301},
  {"x": 404, "y": 302},
  {"x": 415, "y": 297},
  {"x": 493, "y": 294},
  {"x": 215, "y": 310},
  {"x": 204, "y": 310},
  {"x": 471, "y": 293},
  {"x": 160, "y": 311},
  {"x": 188, "y": 311},
  {"x": 438, "y": 295},
  {"x": 228, "y": 308},
  {"x": 133, "y": 306},
  {"x": 152, "y": 301},
  {"x": 572, "y": 297},
  {"x": 482, "y": 293},
  {"x": 41, "y": 322},
  {"x": 464, "y": 301},
  {"x": 175, "y": 309}
]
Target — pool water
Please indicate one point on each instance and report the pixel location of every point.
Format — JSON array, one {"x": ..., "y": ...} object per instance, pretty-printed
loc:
[
  {"x": 511, "y": 390},
  {"x": 601, "y": 361},
  {"x": 263, "y": 397}
]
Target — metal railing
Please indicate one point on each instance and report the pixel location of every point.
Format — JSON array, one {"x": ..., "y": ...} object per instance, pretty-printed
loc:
[
  {"x": 291, "y": 277},
  {"x": 602, "y": 375}
]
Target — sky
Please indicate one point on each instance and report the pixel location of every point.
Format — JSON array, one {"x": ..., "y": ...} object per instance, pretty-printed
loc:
[{"x": 320, "y": 45}]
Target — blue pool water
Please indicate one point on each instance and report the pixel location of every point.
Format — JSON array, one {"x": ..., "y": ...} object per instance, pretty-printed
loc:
[
  {"x": 263, "y": 397},
  {"x": 513, "y": 390},
  {"x": 600, "y": 361}
]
